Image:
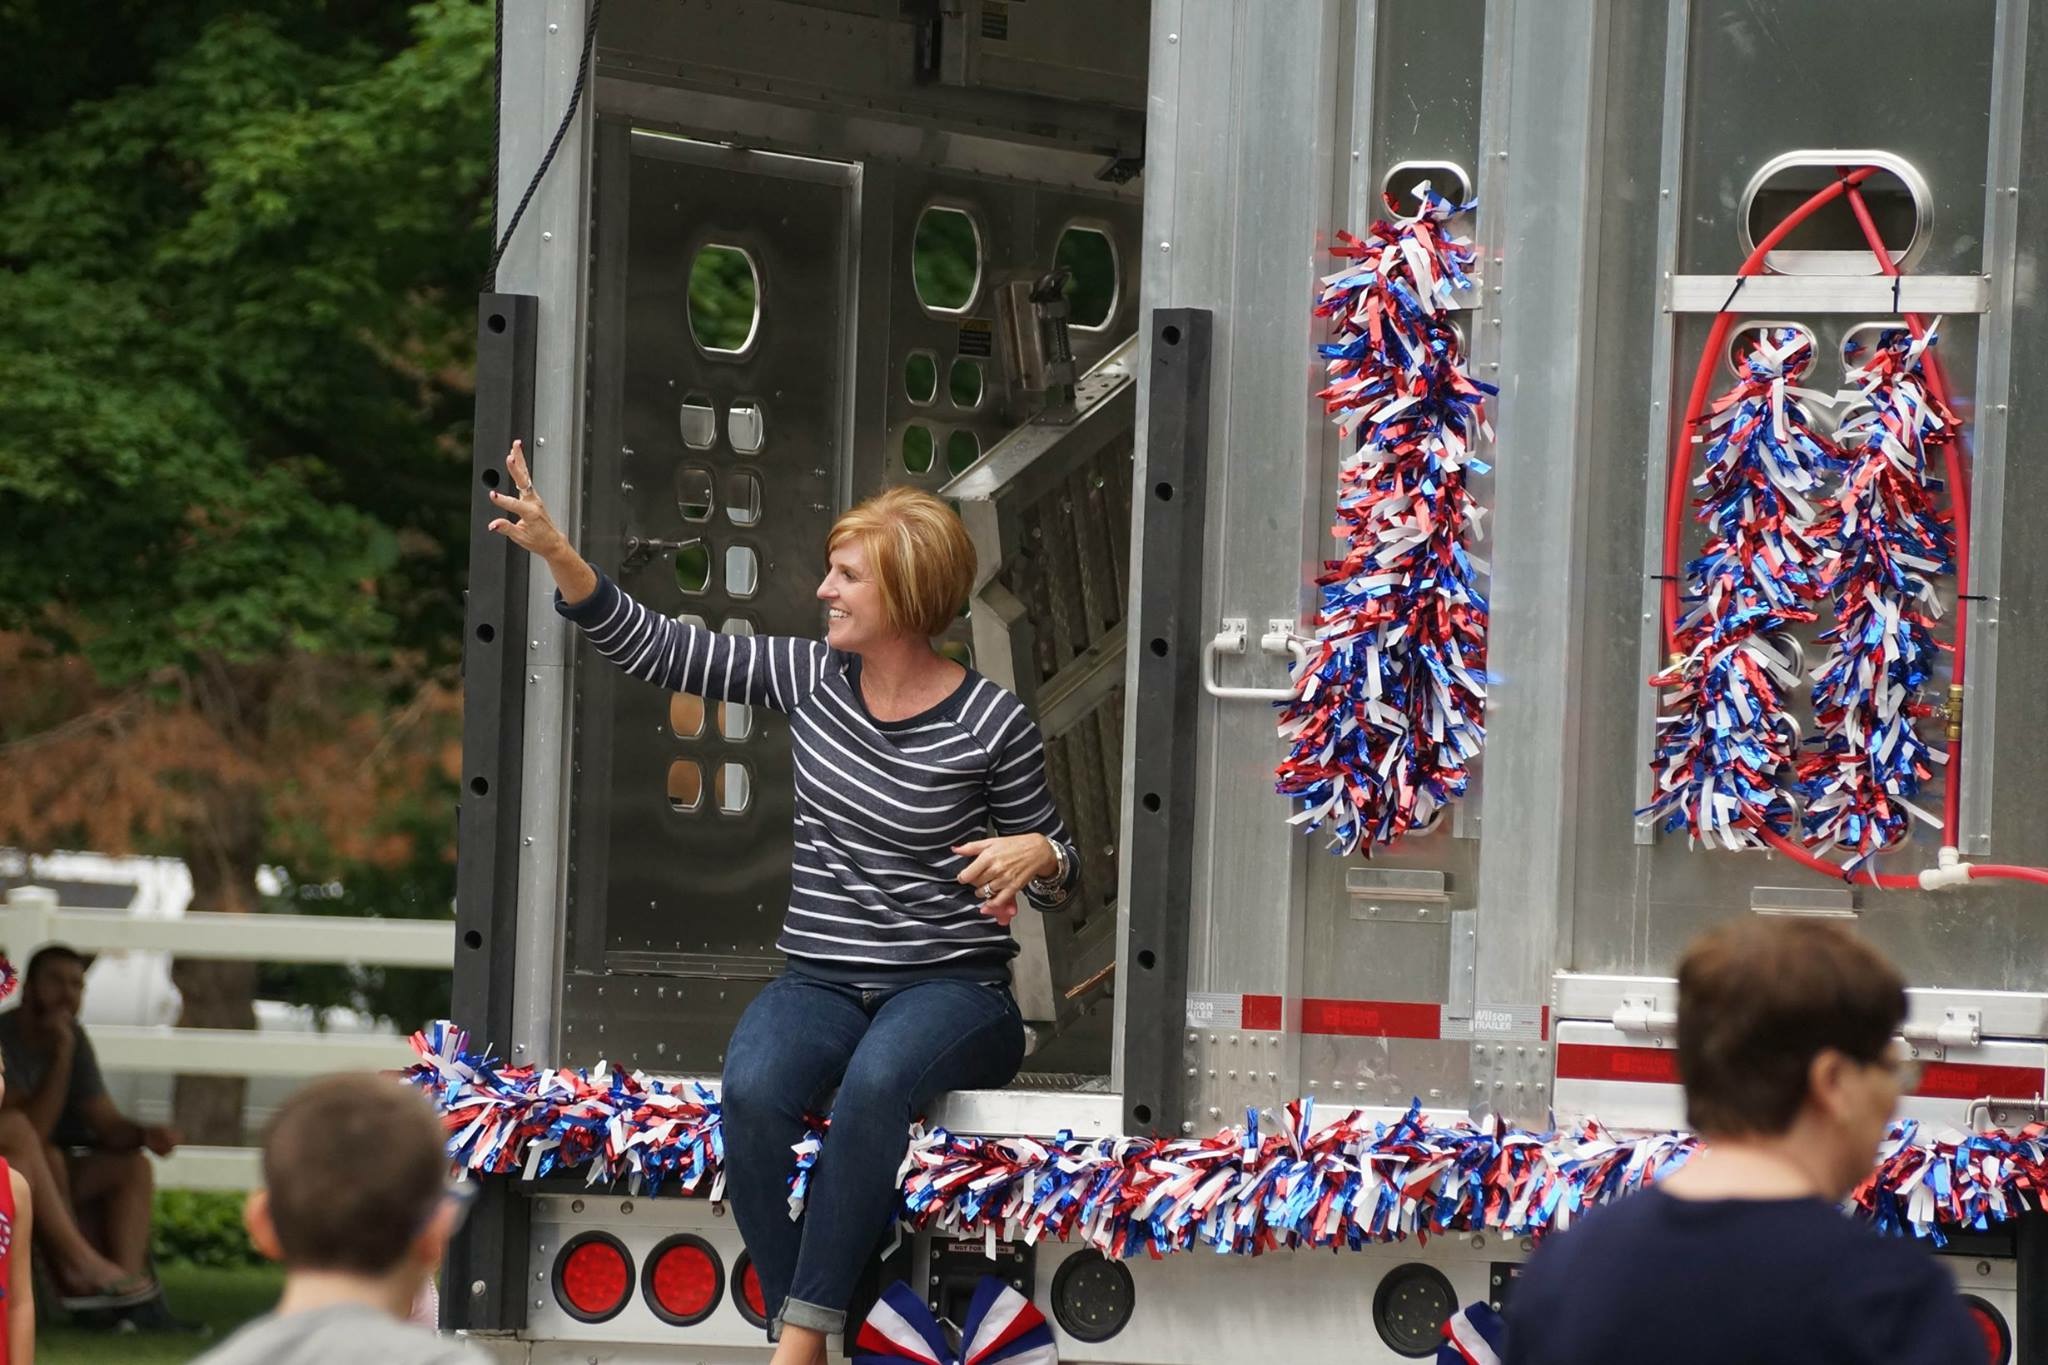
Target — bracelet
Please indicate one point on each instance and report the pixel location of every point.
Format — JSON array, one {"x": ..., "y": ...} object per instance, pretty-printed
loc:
[{"x": 1051, "y": 888}]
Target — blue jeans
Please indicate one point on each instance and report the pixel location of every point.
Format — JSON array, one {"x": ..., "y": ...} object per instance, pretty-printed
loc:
[{"x": 891, "y": 1053}]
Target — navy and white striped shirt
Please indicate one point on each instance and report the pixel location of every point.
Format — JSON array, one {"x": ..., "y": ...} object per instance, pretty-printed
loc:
[{"x": 874, "y": 899}]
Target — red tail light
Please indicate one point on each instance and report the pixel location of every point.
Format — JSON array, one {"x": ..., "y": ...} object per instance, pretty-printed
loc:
[
  {"x": 746, "y": 1291},
  {"x": 1991, "y": 1322},
  {"x": 593, "y": 1277},
  {"x": 683, "y": 1279}
]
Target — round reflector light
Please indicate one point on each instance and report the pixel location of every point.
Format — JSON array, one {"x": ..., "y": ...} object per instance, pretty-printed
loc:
[
  {"x": 1410, "y": 1307},
  {"x": 593, "y": 1277},
  {"x": 682, "y": 1280},
  {"x": 746, "y": 1291},
  {"x": 1991, "y": 1322}
]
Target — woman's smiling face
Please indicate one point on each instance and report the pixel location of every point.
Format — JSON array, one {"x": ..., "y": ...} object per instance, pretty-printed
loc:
[{"x": 854, "y": 615}]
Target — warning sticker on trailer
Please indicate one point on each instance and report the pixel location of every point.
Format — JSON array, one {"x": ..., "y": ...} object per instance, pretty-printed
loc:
[
  {"x": 977, "y": 337},
  {"x": 995, "y": 21}
]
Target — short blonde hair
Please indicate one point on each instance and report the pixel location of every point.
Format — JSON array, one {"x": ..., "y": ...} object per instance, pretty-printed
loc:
[{"x": 919, "y": 553}]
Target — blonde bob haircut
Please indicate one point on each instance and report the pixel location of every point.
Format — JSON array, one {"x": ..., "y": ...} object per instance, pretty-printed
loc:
[{"x": 919, "y": 554}]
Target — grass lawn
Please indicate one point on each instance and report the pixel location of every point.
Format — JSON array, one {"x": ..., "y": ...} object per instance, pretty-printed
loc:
[{"x": 222, "y": 1299}]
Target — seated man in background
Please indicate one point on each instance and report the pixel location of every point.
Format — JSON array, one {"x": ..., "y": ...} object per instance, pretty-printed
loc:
[
  {"x": 84, "y": 1162},
  {"x": 1787, "y": 1049},
  {"x": 356, "y": 1203}
]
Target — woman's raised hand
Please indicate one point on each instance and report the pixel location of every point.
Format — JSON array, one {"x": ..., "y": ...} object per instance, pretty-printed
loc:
[{"x": 531, "y": 528}]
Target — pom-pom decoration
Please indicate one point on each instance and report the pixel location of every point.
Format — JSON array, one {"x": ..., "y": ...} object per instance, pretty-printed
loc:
[
  {"x": 1002, "y": 1328},
  {"x": 9, "y": 977},
  {"x": 1348, "y": 1182},
  {"x": 1390, "y": 695},
  {"x": 1727, "y": 748},
  {"x": 1887, "y": 541}
]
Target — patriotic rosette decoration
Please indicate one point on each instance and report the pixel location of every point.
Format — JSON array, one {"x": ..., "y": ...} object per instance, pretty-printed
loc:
[
  {"x": 1294, "y": 1180},
  {"x": 1474, "y": 1335},
  {"x": 1887, "y": 541},
  {"x": 1726, "y": 746},
  {"x": 1390, "y": 696},
  {"x": 1002, "y": 1328}
]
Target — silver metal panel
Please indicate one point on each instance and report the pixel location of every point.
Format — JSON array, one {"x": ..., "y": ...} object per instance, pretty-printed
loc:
[
  {"x": 1991, "y": 411},
  {"x": 840, "y": 132},
  {"x": 1555, "y": 99},
  {"x": 792, "y": 54},
  {"x": 1871, "y": 296},
  {"x": 546, "y": 258},
  {"x": 1638, "y": 904},
  {"x": 2002, "y": 1014},
  {"x": 1393, "y": 1072},
  {"x": 670, "y": 886},
  {"x": 1410, "y": 91}
]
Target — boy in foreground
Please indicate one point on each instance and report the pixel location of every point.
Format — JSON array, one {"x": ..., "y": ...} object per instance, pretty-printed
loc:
[{"x": 355, "y": 1202}]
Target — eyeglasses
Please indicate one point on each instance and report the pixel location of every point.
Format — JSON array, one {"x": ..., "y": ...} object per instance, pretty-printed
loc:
[{"x": 1904, "y": 1066}]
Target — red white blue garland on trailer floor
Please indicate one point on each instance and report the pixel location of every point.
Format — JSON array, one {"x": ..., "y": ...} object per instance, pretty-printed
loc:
[
  {"x": 1390, "y": 697},
  {"x": 1349, "y": 1182}
]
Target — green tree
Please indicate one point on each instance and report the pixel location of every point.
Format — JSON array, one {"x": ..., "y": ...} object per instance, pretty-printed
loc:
[{"x": 238, "y": 259}]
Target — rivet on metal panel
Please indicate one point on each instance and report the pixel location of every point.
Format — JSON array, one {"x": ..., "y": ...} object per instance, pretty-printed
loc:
[
  {"x": 1191, "y": 1071},
  {"x": 540, "y": 440},
  {"x": 1336, "y": 1085},
  {"x": 1233, "y": 1073},
  {"x": 575, "y": 1206},
  {"x": 554, "y": 28},
  {"x": 1166, "y": 246},
  {"x": 547, "y": 236},
  {"x": 1983, "y": 1267},
  {"x": 1173, "y": 37},
  {"x": 540, "y": 1275},
  {"x": 1192, "y": 1038},
  {"x": 625, "y": 1206},
  {"x": 1272, "y": 1075},
  {"x": 1479, "y": 1241},
  {"x": 1528, "y": 1245},
  {"x": 1212, "y": 1073},
  {"x": 1233, "y": 1040},
  {"x": 1214, "y": 1112},
  {"x": 1187, "y": 1128},
  {"x": 477, "y": 1288}
]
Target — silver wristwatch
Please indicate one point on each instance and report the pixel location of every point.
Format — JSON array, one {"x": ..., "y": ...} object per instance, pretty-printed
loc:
[{"x": 1052, "y": 888}]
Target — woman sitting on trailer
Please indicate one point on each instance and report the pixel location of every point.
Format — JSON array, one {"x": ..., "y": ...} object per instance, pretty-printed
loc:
[{"x": 897, "y": 931}]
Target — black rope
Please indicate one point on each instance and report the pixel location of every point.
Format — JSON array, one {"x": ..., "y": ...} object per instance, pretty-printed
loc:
[
  {"x": 1728, "y": 302},
  {"x": 568, "y": 117},
  {"x": 497, "y": 120}
]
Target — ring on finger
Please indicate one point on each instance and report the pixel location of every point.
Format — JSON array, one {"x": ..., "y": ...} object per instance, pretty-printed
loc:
[{"x": 987, "y": 891}]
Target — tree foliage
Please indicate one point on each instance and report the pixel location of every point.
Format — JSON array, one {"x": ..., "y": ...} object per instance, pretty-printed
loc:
[{"x": 239, "y": 251}]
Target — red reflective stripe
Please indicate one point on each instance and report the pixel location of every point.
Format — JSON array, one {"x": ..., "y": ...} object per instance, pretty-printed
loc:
[
  {"x": 1261, "y": 1011},
  {"x": 1371, "y": 1018},
  {"x": 1546, "y": 1023},
  {"x": 1974, "y": 1080},
  {"x": 1607, "y": 1062}
]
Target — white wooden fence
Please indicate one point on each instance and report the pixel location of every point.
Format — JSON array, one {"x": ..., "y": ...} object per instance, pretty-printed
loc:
[{"x": 33, "y": 917}]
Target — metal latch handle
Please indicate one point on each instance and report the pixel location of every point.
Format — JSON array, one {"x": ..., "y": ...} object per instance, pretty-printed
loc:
[{"x": 1280, "y": 638}]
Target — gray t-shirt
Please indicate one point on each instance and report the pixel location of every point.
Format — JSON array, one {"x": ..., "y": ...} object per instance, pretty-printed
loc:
[
  {"x": 27, "y": 1064},
  {"x": 345, "y": 1334}
]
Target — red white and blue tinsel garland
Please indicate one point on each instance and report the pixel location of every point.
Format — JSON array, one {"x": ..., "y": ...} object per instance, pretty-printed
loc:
[
  {"x": 1727, "y": 748},
  {"x": 1888, "y": 541},
  {"x": 1349, "y": 1182},
  {"x": 1389, "y": 699}
]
